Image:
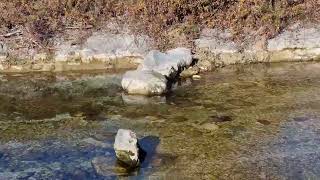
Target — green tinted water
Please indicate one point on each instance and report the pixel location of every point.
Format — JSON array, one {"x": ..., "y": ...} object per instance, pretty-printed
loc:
[{"x": 240, "y": 122}]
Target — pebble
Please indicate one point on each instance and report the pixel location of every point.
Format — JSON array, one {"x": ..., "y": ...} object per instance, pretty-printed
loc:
[{"x": 196, "y": 77}]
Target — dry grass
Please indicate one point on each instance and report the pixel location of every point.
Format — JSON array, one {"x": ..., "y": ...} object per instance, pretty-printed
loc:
[{"x": 45, "y": 18}]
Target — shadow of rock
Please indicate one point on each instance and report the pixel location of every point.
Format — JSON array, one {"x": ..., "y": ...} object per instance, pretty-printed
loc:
[
  {"x": 148, "y": 146},
  {"x": 109, "y": 166},
  {"x": 142, "y": 100}
]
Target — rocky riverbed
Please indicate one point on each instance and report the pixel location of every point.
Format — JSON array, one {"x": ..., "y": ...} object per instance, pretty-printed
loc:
[{"x": 240, "y": 122}]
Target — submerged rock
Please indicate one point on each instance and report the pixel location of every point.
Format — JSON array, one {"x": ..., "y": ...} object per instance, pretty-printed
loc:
[
  {"x": 126, "y": 147},
  {"x": 144, "y": 82},
  {"x": 190, "y": 72},
  {"x": 169, "y": 63},
  {"x": 143, "y": 100},
  {"x": 106, "y": 166}
]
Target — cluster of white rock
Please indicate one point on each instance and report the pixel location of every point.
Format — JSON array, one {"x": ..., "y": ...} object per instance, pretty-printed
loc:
[
  {"x": 297, "y": 43},
  {"x": 104, "y": 46},
  {"x": 151, "y": 77}
]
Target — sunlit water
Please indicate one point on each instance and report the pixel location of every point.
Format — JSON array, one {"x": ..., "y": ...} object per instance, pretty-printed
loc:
[{"x": 239, "y": 122}]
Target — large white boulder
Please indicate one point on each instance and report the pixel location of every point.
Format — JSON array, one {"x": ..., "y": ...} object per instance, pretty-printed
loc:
[
  {"x": 167, "y": 63},
  {"x": 145, "y": 82},
  {"x": 126, "y": 147}
]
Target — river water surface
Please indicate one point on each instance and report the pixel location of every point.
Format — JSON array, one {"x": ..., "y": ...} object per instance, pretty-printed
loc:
[{"x": 240, "y": 122}]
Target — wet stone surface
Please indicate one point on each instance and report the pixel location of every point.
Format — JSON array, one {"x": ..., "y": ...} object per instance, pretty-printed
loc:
[{"x": 240, "y": 122}]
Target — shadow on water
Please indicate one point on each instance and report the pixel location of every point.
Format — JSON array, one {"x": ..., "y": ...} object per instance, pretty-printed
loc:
[
  {"x": 62, "y": 160},
  {"x": 147, "y": 153},
  {"x": 231, "y": 124},
  {"x": 148, "y": 146}
]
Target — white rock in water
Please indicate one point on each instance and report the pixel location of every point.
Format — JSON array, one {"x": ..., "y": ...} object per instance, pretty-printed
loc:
[
  {"x": 167, "y": 63},
  {"x": 126, "y": 147},
  {"x": 144, "y": 83}
]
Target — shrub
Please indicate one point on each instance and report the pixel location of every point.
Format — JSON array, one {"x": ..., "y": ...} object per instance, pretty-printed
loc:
[{"x": 45, "y": 18}]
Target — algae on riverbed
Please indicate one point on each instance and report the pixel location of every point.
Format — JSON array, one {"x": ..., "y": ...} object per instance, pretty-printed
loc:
[{"x": 239, "y": 122}]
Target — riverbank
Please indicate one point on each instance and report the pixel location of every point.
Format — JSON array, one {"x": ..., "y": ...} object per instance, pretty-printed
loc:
[
  {"x": 77, "y": 35},
  {"x": 116, "y": 47}
]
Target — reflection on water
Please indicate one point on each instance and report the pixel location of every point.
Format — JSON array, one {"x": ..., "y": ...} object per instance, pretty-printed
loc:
[{"x": 241, "y": 122}]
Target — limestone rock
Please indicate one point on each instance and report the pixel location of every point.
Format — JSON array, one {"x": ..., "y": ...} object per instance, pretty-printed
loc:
[
  {"x": 217, "y": 41},
  {"x": 66, "y": 51},
  {"x": 296, "y": 44},
  {"x": 169, "y": 63},
  {"x": 126, "y": 147},
  {"x": 144, "y": 82},
  {"x": 40, "y": 57},
  {"x": 3, "y": 51},
  {"x": 297, "y": 38},
  {"x": 105, "y": 46}
]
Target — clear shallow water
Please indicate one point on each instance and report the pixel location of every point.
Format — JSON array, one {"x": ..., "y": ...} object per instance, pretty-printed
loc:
[{"x": 240, "y": 122}]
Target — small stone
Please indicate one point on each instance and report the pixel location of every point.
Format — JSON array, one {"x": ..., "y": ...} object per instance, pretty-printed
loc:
[
  {"x": 126, "y": 147},
  {"x": 221, "y": 119},
  {"x": 196, "y": 77},
  {"x": 40, "y": 57},
  {"x": 209, "y": 126},
  {"x": 2, "y": 67},
  {"x": 16, "y": 67},
  {"x": 37, "y": 66},
  {"x": 205, "y": 65},
  {"x": 264, "y": 122},
  {"x": 190, "y": 72}
]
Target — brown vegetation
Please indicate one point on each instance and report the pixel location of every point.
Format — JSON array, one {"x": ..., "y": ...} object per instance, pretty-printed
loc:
[{"x": 43, "y": 19}]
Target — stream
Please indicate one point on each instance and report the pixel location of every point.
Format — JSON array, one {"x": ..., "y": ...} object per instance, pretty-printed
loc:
[{"x": 259, "y": 121}]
